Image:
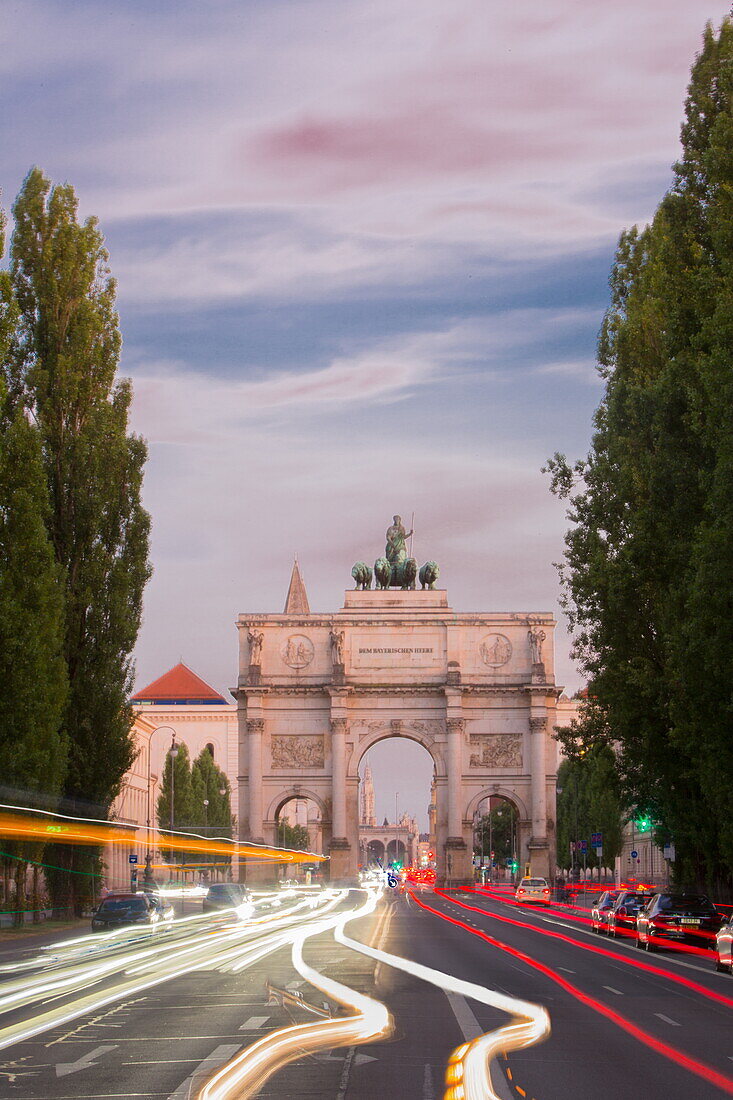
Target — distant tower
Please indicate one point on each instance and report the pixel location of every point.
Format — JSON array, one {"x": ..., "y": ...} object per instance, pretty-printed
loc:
[
  {"x": 297, "y": 599},
  {"x": 433, "y": 813},
  {"x": 367, "y": 799}
]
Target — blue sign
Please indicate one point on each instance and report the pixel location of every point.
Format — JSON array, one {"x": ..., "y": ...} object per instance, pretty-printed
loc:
[
  {"x": 634, "y": 855},
  {"x": 132, "y": 858},
  {"x": 596, "y": 839}
]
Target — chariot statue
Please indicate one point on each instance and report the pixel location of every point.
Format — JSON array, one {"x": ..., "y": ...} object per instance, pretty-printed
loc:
[{"x": 396, "y": 569}]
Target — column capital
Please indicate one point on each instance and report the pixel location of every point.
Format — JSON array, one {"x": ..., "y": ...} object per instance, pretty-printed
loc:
[
  {"x": 538, "y": 725},
  {"x": 456, "y": 725},
  {"x": 255, "y": 725},
  {"x": 339, "y": 725}
]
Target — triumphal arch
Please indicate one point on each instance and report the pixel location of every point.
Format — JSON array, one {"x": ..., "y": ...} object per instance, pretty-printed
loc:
[{"x": 476, "y": 689}]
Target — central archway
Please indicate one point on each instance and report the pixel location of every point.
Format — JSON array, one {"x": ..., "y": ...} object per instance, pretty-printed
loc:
[{"x": 396, "y": 784}]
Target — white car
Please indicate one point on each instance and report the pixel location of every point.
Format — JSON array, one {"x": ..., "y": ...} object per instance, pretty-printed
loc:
[{"x": 533, "y": 891}]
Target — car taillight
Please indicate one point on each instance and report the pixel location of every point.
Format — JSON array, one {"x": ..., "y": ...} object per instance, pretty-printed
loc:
[
  {"x": 521, "y": 891},
  {"x": 659, "y": 922},
  {"x": 545, "y": 891}
]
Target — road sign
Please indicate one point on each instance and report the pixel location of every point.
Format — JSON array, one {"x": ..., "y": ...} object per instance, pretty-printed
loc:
[
  {"x": 669, "y": 852},
  {"x": 634, "y": 855},
  {"x": 596, "y": 839},
  {"x": 599, "y": 850},
  {"x": 132, "y": 858},
  {"x": 582, "y": 845}
]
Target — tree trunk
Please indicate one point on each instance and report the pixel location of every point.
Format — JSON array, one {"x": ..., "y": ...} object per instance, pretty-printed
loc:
[{"x": 36, "y": 897}]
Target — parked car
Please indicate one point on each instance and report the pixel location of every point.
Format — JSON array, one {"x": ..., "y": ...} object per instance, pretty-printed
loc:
[
  {"x": 533, "y": 891},
  {"x": 602, "y": 906},
  {"x": 116, "y": 910},
  {"x": 229, "y": 895},
  {"x": 622, "y": 917},
  {"x": 724, "y": 945},
  {"x": 677, "y": 918}
]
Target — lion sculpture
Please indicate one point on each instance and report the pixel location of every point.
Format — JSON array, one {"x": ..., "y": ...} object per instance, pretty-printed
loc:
[
  {"x": 362, "y": 574},
  {"x": 429, "y": 574}
]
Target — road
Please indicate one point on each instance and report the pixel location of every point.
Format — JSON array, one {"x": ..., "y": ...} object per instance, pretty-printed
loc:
[{"x": 399, "y": 981}]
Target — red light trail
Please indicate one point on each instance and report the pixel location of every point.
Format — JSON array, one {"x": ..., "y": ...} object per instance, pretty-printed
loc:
[{"x": 707, "y": 1073}]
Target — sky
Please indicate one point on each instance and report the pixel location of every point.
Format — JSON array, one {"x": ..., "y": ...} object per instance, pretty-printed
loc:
[{"x": 362, "y": 251}]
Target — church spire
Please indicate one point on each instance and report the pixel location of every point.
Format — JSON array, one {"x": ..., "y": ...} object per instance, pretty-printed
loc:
[{"x": 297, "y": 599}]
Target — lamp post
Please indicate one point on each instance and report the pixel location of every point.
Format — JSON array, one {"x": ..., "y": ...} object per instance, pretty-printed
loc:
[
  {"x": 149, "y": 855},
  {"x": 173, "y": 753}
]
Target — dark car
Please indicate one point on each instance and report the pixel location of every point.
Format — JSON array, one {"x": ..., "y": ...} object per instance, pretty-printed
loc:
[
  {"x": 621, "y": 918},
  {"x": 602, "y": 906},
  {"x": 677, "y": 918},
  {"x": 117, "y": 910},
  {"x": 724, "y": 946},
  {"x": 229, "y": 895}
]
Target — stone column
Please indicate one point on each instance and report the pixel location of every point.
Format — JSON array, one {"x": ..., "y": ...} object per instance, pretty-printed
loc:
[
  {"x": 338, "y": 760},
  {"x": 456, "y": 727},
  {"x": 255, "y": 731},
  {"x": 539, "y": 847},
  {"x": 340, "y": 870}
]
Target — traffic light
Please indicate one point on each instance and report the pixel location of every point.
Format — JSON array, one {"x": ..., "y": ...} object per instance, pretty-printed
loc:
[{"x": 643, "y": 823}]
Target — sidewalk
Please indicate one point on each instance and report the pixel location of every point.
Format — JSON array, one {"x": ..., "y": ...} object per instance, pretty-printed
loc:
[{"x": 34, "y": 936}]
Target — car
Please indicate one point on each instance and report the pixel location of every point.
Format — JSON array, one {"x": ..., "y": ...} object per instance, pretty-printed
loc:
[
  {"x": 533, "y": 891},
  {"x": 229, "y": 895},
  {"x": 602, "y": 906},
  {"x": 677, "y": 918},
  {"x": 117, "y": 910},
  {"x": 724, "y": 945},
  {"x": 622, "y": 917}
]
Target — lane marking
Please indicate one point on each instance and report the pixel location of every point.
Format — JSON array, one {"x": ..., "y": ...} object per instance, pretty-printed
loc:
[
  {"x": 566, "y": 969},
  {"x": 254, "y": 1022},
  {"x": 612, "y": 990},
  {"x": 428, "y": 1088},
  {"x": 472, "y": 1029},
  {"x": 667, "y": 1019},
  {"x": 85, "y": 1062},
  {"x": 217, "y": 1057}
]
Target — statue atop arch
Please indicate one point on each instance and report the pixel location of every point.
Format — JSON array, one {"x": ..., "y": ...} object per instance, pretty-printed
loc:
[
  {"x": 396, "y": 569},
  {"x": 396, "y": 550}
]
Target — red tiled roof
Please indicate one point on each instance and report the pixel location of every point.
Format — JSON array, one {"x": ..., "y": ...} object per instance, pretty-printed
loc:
[{"x": 178, "y": 682}]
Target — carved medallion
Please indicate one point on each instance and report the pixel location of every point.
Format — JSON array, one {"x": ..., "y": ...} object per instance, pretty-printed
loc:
[
  {"x": 297, "y": 651},
  {"x": 297, "y": 752},
  {"x": 496, "y": 751},
  {"x": 495, "y": 650}
]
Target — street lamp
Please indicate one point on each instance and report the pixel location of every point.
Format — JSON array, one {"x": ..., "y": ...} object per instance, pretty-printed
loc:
[
  {"x": 173, "y": 753},
  {"x": 149, "y": 856}
]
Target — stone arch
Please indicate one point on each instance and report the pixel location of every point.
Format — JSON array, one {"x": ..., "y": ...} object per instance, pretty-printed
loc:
[
  {"x": 429, "y": 743},
  {"x": 290, "y": 793},
  {"x": 375, "y": 850},
  {"x": 496, "y": 790}
]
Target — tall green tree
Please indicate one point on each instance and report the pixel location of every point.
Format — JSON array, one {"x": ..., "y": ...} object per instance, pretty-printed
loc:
[
  {"x": 588, "y": 802},
  {"x": 292, "y": 836},
  {"x": 497, "y": 832},
  {"x": 211, "y": 786},
  {"x": 63, "y": 369},
  {"x": 184, "y": 810},
  {"x": 33, "y": 681},
  {"x": 647, "y": 557}
]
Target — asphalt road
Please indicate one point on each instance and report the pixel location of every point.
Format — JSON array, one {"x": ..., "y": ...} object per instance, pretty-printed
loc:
[{"x": 178, "y": 1006}]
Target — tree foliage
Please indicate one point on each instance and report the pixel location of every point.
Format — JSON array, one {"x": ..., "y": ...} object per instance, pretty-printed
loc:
[
  {"x": 192, "y": 785},
  {"x": 62, "y": 371},
  {"x": 497, "y": 832},
  {"x": 588, "y": 802},
  {"x": 33, "y": 681},
  {"x": 292, "y": 836},
  {"x": 648, "y": 558}
]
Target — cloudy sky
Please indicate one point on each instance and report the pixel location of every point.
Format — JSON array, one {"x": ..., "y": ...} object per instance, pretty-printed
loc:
[{"x": 362, "y": 249}]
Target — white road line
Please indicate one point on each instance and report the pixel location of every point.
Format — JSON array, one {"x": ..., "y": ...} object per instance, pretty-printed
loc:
[
  {"x": 254, "y": 1022},
  {"x": 217, "y": 1058},
  {"x": 428, "y": 1088},
  {"x": 566, "y": 969},
  {"x": 467, "y": 1021},
  {"x": 471, "y": 1029},
  {"x": 667, "y": 1020},
  {"x": 612, "y": 990}
]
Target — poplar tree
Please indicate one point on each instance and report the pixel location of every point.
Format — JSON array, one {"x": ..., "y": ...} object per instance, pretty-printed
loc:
[
  {"x": 32, "y": 669},
  {"x": 648, "y": 559},
  {"x": 211, "y": 784},
  {"x": 64, "y": 368}
]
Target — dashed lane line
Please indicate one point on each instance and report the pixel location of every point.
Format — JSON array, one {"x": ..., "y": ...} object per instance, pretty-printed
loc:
[
  {"x": 253, "y": 1023},
  {"x": 661, "y": 1016},
  {"x": 612, "y": 990}
]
